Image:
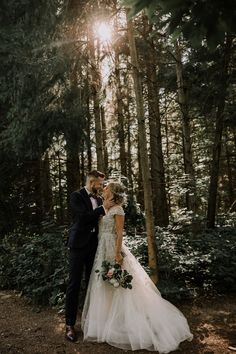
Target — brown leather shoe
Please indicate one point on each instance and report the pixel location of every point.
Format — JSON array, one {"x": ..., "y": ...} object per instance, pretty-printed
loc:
[{"x": 70, "y": 333}]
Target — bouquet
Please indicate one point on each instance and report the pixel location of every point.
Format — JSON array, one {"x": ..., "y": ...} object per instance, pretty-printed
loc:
[{"x": 115, "y": 275}]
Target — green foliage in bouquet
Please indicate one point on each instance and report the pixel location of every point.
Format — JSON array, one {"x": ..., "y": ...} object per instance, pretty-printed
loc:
[{"x": 115, "y": 275}]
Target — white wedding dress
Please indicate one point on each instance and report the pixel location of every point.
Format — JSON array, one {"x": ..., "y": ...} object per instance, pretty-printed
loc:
[{"x": 137, "y": 318}]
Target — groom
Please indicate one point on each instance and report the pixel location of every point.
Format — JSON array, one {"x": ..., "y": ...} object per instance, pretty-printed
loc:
[{"x": 86, "y": 207}]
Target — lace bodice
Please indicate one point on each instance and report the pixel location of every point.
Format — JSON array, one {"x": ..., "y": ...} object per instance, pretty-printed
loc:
[
  {"x": 107, "y": 233},
  {"x": 107, "y": 223}
]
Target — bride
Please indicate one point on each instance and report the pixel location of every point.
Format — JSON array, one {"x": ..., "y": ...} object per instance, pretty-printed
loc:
[{"x": 128, "y": 319}]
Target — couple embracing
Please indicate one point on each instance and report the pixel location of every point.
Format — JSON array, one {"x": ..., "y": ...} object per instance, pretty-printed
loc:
[{"x": 130, "y": 319}]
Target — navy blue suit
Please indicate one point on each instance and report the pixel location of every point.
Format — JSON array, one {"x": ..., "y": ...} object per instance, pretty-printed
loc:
[{"x": 82, "y": 245}]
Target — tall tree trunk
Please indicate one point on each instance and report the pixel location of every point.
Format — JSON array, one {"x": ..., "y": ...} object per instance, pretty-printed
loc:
[
  {"x": 130, "y": 151},
  {"x": 96, "y": 88},
  {"x": 72, "y": 168},
  {"x": 129, "y": 158},
  {"x": 157, "y": 161},
  {"x": 88, "y": 134},
  {"x": 186, "y": 128},
  {"x": 211, "y": 211},
  {"x": 167, "y": 166},
  {"x": 82, "y": 159},
  {"x": 120, "y": 117},
  {"x": 60, "y": 214},
  {"x": 140, "y": 192},
  {"x": 104, "y": 139},
  {"x": 152, "y": 249},
  {"x": 72, "y": 144},
  {"x": 230, "y": 174},
  {"x": 46, "y": 187},
  {"x": 38, "y": 195}
]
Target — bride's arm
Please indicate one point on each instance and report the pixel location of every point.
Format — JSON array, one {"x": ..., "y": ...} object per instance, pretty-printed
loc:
[{"x": 119, "y": 222}]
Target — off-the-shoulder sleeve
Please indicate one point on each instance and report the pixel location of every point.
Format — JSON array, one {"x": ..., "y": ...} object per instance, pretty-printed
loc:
[{"x": 118, "y": 210}]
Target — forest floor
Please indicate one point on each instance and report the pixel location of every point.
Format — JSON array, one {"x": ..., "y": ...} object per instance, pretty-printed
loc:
[{"x": 25, "y": 329}]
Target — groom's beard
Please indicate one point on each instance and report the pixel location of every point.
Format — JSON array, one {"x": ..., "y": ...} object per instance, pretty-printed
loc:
[{"x": 96, "y": 191}]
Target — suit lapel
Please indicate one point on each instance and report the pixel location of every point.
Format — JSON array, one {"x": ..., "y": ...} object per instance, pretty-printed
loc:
[{"x": 86, "y": 198}]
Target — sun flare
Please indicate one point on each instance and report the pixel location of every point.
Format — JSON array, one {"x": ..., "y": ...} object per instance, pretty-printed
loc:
[{"x": 103, "y": 31}]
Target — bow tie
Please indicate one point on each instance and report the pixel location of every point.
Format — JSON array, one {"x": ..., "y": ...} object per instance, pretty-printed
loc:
[{"x": 92, "y": 195}]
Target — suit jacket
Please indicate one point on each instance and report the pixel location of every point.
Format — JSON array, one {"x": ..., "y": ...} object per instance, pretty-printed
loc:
[{"x": 85, "y": 219}]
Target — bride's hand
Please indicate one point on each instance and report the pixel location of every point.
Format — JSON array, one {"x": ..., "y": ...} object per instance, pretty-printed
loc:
[{"x": 119, "y": 258}]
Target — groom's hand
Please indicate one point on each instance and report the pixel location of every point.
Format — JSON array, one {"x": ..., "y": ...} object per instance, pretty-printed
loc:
[{"x": 108, "y": 204}]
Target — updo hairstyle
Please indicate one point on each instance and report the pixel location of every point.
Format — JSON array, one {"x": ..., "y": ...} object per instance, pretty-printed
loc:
[{"x": 118, "y": 191}]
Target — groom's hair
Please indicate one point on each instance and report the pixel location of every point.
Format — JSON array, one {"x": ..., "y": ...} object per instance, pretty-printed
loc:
[{"x": 95, "y": 174}]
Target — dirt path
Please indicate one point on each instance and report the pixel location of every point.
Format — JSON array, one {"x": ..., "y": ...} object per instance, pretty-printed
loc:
[{"x": 26, "y": 330}]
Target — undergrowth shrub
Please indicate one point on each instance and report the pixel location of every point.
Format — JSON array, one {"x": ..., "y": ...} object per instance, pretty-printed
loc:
[
  {"x": 190, "y": 263},
  {"x": 35, "y": 264}
]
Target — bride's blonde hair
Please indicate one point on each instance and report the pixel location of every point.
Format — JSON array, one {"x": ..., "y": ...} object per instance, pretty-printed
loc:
[{"x": 118, "y": 191}]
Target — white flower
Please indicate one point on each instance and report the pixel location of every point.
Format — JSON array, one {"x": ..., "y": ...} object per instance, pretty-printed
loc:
[
  {"x": 116, "y": 284},
  {"x": 112, "y": 281}
]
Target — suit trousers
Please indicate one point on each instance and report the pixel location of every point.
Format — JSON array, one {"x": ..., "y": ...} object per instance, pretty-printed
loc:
[{"x": 80, "y": 259}]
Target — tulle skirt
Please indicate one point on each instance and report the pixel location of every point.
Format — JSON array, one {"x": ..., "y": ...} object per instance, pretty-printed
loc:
[{"x": 131, "y": 319}]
